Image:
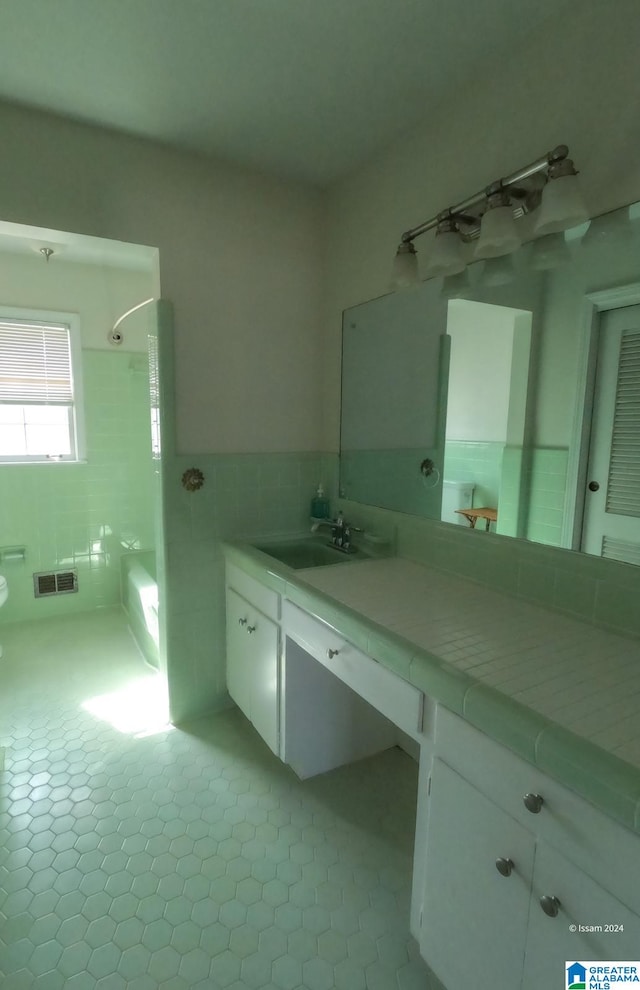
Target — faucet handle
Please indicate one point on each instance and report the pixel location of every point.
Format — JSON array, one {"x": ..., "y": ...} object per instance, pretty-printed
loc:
[{"x": 346, "y": 537}]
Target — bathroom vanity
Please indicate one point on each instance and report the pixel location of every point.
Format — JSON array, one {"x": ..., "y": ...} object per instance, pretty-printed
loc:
[{"x": 524, "y": 827}]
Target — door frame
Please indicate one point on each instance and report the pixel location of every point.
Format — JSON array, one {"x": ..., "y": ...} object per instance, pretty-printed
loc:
[{"x": 593, "y": 304}]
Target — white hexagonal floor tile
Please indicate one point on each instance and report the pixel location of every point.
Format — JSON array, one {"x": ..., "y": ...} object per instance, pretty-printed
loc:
[{"x": 186, "y": 860}]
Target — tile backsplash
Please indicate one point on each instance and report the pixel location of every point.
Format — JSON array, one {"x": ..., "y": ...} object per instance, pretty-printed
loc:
[
  {"x": 603, "y": 592},
  {"x": 260, "y": 494}
]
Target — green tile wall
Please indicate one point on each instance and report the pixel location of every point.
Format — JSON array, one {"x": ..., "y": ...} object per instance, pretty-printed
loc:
[
  {"x": 546, "y": 479},
  {"x": 510, "y": 521},
  {"x": 478, "y": 462},
  {"x": 244, "y": 495},
  {"x": 394, "y": 476},
  {"x": 84, "y": 515}
]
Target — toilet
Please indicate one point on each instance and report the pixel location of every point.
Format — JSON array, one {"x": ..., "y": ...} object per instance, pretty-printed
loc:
[
  {"x": 456, "y": 495},
  {"x": 4, "y": 594}
]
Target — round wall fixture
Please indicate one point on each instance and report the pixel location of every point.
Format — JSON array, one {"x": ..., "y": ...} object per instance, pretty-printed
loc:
[{"x": 192, "y": 479}]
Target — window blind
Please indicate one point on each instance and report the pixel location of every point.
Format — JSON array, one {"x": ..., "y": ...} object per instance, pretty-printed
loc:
[
  {"x": 623, "y": 493},
  {"x": 35, "y": 363}
]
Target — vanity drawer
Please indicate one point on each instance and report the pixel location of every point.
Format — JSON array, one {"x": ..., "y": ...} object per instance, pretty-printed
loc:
[
  {"x": 397, "y": 700},
  {"x": 266, "y": 600}
]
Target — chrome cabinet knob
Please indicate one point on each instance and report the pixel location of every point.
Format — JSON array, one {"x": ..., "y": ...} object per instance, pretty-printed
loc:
[
  {"x": 504, "y": 866},
  {"x": 332, "y": 653},
  {"x": 550, "y": 905},
  {"x": 242, "y": 622},
  {"x": 533, "y": 803},
  {"x": 251, "y": 629}
]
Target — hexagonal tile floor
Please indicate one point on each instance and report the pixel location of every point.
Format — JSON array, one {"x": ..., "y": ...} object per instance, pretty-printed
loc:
[{"x": 141, "y": 856}]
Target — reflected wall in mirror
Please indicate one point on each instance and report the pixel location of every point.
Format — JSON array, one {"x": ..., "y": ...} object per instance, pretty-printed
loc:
[
  {"x": 486, "y": 415},
  {"x": 394, "y": 371},
  {"x": 524, "y": 408}
]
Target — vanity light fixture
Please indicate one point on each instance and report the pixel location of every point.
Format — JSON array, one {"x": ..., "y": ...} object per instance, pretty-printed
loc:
[
  {"x": 562, "y": 205},
  {"x": 548, "y": 184},
  {"x": 447, "y": 257},
  {"x": 498, "y": 232},
  {"x": 405, "y": 266}
]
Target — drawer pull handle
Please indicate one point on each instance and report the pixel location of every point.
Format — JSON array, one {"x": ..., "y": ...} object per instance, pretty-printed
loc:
[
  {"x": 504, "y": 866},
  {"x": 332, "y": 653},
  {"x": 242, "y": 622},
  {"x": 533, "y": 803},
  {"x": 251, "y": 629},
  {"x": 550, "y": 905}
]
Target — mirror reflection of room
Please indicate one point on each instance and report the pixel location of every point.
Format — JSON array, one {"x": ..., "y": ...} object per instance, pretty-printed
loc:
[
  {"x": 548, "y": 469},
  {"x": 483, "y": 454}
]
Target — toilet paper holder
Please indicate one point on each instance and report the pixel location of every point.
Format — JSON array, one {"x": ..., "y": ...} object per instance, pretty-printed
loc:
[{"x": 9, "y": 555}]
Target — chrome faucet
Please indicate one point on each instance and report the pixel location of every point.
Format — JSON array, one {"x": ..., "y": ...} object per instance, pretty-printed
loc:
[
  {"x": 317, "y": 523},
  {"x": 341, "y": 532}
]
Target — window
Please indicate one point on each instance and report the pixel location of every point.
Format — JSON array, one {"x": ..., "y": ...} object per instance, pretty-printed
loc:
[{"x": 39, "y": 391}]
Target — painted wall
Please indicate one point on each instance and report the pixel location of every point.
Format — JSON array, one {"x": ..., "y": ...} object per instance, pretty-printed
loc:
[
  {"x": 98, "y": 293},
  {"x": 482, "y": 338},
  {"x": 86, "y": 515},
  {"x": 558, "y": 88},
  {"x": 239, "y": 259},
  {"x": 479, "y": 371}
]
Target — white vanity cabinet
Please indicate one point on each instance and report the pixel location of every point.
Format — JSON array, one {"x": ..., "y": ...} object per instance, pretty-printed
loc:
[
  {"x": 474, "y": 921},
  {"x": 339, "y": 705},
  {"x": 316, "y": 700},
  {"x": 253, "y": 651},
  {"x": 504, "y": 879},
  {"x": 582, "y": 902}
]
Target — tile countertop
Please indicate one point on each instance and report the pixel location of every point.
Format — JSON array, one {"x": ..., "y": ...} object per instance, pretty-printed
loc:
[{"x": 562, "y": 694}]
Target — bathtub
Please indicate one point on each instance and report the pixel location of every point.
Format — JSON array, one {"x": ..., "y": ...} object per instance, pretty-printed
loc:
[{"x": 140, "y": 601}]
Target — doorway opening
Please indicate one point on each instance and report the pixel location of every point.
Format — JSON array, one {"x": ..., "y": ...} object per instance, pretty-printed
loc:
[
  {"x": 608, "y": 496},
  {"x": 97, "y": 512}
]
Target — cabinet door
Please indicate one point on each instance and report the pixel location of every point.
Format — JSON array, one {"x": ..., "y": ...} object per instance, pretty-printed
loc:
[
  {"x": 238, "y": 665},
  {"x": 474, "y": 920},
  {"x": 263, "y": 636},
  {"x": 551, "y": 943},
  {"x": 252, "y": 666}
]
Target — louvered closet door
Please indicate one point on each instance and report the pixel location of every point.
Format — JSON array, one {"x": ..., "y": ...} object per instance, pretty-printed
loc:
[{"x": 612, "y": 513}]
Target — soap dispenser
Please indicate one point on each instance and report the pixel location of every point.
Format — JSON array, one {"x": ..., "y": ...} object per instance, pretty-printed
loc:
[{"x": 320, "y": 505}]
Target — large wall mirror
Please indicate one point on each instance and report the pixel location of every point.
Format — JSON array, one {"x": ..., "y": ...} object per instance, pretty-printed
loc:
[{"x": 508, "y": 400}]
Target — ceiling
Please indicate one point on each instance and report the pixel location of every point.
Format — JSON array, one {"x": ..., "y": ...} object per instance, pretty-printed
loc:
[
  {"x": 304, "y": 89},
  {"x": 28, "y": 241}
]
